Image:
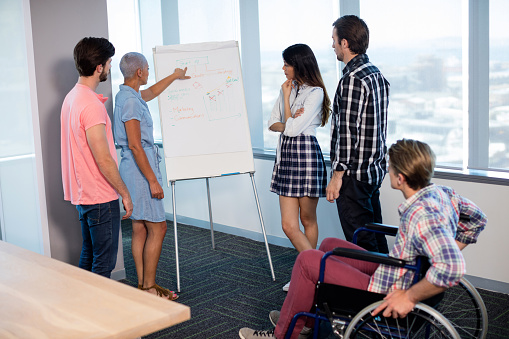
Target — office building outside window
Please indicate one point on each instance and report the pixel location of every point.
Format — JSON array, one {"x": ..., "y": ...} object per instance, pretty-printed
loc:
[
  {"x": 499, "y": 85},
  {"x": 420, "y": 53},
  {"x": 288, "y": 22},
  {"x": 420, "y": 47}
]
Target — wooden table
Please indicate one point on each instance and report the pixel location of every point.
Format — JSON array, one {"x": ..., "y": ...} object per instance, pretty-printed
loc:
[{"x": 42, "y": 298}]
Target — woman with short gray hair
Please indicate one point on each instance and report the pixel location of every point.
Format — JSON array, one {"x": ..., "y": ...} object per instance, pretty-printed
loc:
[{"x": 139, "y": 166}]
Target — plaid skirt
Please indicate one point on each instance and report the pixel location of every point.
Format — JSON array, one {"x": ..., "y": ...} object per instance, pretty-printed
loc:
[{"x": 299, "y": 169}]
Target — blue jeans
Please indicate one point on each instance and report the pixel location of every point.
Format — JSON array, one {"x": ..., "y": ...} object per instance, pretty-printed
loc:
[{"x": 100, "y": 227}]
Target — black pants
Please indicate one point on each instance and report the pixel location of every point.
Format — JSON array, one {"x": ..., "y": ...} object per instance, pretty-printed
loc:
[{"x": 359, "y": 204}]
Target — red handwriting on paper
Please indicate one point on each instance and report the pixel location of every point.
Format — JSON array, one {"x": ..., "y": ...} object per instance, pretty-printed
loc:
[{"x": 185, "y": 113}]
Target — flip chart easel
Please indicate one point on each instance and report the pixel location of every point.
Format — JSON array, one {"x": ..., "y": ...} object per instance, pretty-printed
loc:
[{"x": 204, "y": 120}]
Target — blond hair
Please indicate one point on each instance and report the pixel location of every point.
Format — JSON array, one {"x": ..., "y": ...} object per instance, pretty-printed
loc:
[{"x": 415, "y": 160}]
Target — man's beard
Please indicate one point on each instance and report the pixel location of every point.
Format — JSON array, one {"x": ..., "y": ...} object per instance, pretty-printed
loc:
[
  {"x": 340, "y": 57},
  {"x": 104, "y": 76}
]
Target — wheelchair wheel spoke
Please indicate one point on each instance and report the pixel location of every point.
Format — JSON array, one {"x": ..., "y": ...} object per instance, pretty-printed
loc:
[
  {"x": 388, "y": 328},
  {"x": 409, "y": 326},
  {"x": 399, "y": 330},
  {"x": 463, "y": 307},
  {"x": 422, "y": 323},
  {"x": 372, "y": 329},
  {"x": 466, "y": 332}
]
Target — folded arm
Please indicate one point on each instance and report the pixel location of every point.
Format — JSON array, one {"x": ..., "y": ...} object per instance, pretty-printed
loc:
[{"x": 312, "y": 108}]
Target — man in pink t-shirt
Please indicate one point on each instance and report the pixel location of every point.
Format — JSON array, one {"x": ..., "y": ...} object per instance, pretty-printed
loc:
[{"x": 90, "y": 174}]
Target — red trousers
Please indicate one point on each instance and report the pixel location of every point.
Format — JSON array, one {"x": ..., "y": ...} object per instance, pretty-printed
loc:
[{"x": 340, "y": 271}]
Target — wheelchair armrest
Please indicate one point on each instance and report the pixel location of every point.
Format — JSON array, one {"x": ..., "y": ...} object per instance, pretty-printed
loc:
[
  {"x": 383, "y": 228},
  {"x": 368, "y": 256}
]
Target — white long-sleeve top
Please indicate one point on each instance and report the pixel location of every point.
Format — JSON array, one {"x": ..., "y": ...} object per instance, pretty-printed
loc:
[{"x": 311, "y": 98}]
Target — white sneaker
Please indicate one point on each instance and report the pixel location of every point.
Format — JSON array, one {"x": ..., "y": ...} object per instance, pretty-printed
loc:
[
  {"x": 247, "y": 333},
  {"x": 286, "y": 287},
  {"x": 274, "y": 317},
  {"x": 306, "y": 332}
]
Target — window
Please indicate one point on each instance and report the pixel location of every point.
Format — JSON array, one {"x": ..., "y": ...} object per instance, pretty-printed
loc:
[
  {"x": 206, "y": 20},
  {"x": 420, "y": 54},
  {"x": 16, "y": 134},
  {"x": 139, "y": 26},
  {"x": 124, "y": 34},
  {"x": 283, "y": 23},
  {"x": 499, "y": 85},
  {"x": 20, "y": 216},
  {"x": 447, "y": 62}
]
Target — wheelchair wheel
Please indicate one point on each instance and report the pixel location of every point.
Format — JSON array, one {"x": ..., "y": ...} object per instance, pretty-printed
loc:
[
  {"x": 464, "y": 308},
  {"x": 422, "y": 322}
]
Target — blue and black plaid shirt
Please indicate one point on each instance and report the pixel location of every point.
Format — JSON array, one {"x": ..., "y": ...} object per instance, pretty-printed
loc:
[{"x": 359, "y": 122}]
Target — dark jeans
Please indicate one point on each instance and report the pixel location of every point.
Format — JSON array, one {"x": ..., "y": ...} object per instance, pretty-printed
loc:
[
  {"x": 100, "y": 227},
  {"x": 359, "y": 204}
]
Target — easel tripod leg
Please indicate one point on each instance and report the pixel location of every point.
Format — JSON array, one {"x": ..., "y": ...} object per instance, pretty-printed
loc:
[
  {"x": 210, "y": 215},
  {"x": 175, "y": 233},
  {"x": 263, "y": 226}
]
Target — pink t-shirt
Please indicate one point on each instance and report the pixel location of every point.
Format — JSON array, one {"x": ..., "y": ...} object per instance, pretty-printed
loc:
[{"x": 83, "y": 182}]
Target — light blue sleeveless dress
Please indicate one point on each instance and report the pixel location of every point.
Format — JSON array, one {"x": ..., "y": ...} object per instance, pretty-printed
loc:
[{"x": 129, "y": 105}]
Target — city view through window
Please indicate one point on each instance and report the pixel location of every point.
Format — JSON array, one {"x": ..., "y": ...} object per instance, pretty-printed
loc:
[
  {"x": 499, "y": 85},
  {"x": 421, "y": 55}
]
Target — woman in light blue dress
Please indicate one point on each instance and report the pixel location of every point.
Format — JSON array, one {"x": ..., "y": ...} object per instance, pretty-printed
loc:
[{"x": 139, "y": 167}]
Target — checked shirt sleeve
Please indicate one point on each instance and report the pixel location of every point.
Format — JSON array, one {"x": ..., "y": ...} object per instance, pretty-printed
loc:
[
  {"x": 351, "y": 95},
  {"x": 435, "y": 241},
  {"x": 467, "y": 232}
]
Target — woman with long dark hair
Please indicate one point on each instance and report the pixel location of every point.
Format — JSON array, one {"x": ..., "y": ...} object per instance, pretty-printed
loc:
[{"x": 299, "y": 176}]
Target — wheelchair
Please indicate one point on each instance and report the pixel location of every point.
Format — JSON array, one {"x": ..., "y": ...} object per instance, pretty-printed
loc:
[{"x": 462, "y": 314}]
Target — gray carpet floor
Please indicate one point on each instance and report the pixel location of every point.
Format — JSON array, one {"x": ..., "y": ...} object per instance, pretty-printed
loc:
[{"x": 231, "y": 287}]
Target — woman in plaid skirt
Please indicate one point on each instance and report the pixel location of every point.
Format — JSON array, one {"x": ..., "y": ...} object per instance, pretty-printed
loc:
[{"x": 299, "y": 176}]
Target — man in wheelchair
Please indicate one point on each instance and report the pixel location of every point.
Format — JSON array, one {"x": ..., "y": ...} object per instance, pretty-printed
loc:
[{"x": 429, "y": 226}]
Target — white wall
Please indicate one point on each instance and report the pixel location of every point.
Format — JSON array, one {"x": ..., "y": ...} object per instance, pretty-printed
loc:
[
  {"x": 234, "y": 211},
  {"x": 487, "y": 258}
]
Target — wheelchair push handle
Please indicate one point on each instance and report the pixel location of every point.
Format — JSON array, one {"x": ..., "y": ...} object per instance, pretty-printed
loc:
[
  {"x": 381, "y": 228},
  {"x": 375, "y": 257},
  {"x": 392, "y": 230}
]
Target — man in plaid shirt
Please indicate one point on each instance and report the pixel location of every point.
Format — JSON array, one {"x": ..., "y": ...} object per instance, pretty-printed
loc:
[
  {"x": 358, "y": 134},
  {"x": 429, "y": 226}
]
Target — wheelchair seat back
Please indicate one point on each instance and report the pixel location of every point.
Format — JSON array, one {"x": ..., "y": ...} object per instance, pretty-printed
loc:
[
  {"x": 344, "y": 300},
  {"x": 347, "y": 300}
]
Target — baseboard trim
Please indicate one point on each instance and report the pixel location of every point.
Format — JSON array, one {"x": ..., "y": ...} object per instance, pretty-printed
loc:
[
  {"x": 257, "y": 236},
  {"x": 487, "y": 284}
]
